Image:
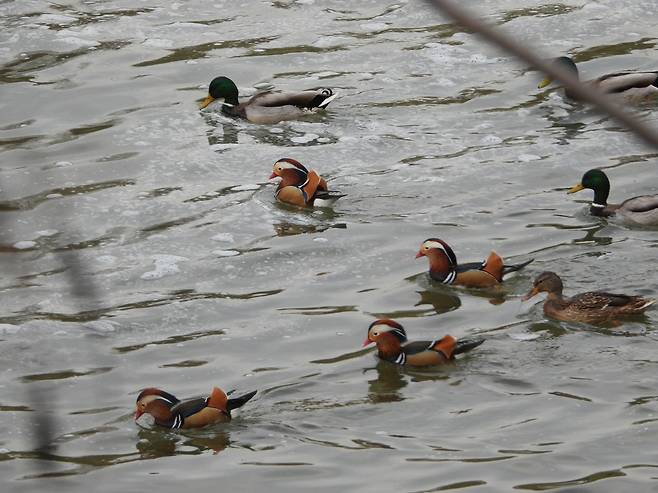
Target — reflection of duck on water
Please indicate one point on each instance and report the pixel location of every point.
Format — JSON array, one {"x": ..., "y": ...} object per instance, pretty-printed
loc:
[
  {"x": 385, "y": 388},
  {"x": 155, "y": 445}
]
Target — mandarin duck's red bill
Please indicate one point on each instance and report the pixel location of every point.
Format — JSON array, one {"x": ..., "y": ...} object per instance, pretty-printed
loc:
[
  {"x": 392, "y": 345},
  {"x": 170, "y": 412},
  {"x": 445, "y": 269},
  {"x": 266, "y": 106},
  {"x": 590, "y": 307},
  {"x": 300, "y": 186}
]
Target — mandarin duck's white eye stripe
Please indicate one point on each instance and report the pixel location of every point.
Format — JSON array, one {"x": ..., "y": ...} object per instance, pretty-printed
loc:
[
  {"x": 287, "y": 165},
  {"x": 434, "y": 244},
  {"x": 164, "y": 399}
]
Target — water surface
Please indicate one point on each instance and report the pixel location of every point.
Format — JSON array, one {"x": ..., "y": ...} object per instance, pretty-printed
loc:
[{"x": 190, "y": 275}]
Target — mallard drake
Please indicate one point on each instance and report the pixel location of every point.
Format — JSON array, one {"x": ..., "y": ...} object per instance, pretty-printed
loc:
[
  {"x": 641, "y": 210},
  {"x": 170, "y": 412},
  {"x": 267, "y": 106},
  {"x": 392, "y": 345},
  {"x": 590, "y": 307},
  {"x": 300, "y": 186},
  {"x": 633, "y": 86},
  {"x": 444, "y": 267}
]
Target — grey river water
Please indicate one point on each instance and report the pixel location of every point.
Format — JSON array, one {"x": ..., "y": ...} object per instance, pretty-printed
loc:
[{"x": 189, "y": 274}]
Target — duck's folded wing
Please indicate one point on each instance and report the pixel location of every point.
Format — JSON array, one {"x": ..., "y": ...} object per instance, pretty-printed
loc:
[
  {"x": 301, "y": 99},
  {"x": 599, "y": 300},
  {"x": 310, "y": 186},
  {"x": 623, "y": 81},
  {"x": 644, "y": 203},
  {"x": 469, "y": 266},
  {"x": 189, "y": 407},
  {"x": 416, "y": 347}
]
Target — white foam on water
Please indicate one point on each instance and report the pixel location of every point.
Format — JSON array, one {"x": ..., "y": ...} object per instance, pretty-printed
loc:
[
  {"x": 25, "y": 244},
  {"x": 165, "y": 265},
  {"x": 226, "y": 253},
  {"x": 491, "y": 139},
  {"x": 227, "y": 237},
  {"x": 46, "y": 232},
  {"x": 9, "y": 329},
  {"x": 303, "y": 139},
  {"x": 248, "y": 186}
]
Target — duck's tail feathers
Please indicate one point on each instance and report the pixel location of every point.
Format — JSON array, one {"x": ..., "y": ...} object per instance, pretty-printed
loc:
[
  {"x": 328, "y": 194},
  {"x": 236, "y": 402},
  {"x": 465, "y": 345},
  {"x": 514, "y": 267}
]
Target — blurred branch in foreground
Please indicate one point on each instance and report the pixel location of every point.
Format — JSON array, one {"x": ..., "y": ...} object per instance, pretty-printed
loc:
[{"x": 584, "y": 93}]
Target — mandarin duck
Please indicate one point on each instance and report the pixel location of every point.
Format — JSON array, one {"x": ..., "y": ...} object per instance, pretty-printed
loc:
[
  {"x": 267, "y": 106},
  {"x": 641, "y": 210},
  {"x": 589, "y": 307},
  {"x": 170, "y": 412},
  {"x": 299, "y": 186},
  {"x": 444, "y": 267},
  {"x": 631, "y": 86},
  {"x": 392, "y": 345}
]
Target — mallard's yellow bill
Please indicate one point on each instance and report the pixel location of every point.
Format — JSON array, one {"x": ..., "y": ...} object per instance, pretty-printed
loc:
[
  {"x": 545, "y": 82},
  {"x": 209, "y": 99},
  {"x": 576, "y": 188}
]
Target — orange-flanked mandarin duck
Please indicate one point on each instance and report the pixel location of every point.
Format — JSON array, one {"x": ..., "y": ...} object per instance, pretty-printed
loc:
[
  {"x": 171, "y": 412},
  {"x": 392, "y": 345},
  {"x": 590, "y": 307},
  {"x": 266, "y": 106},
  {"x": 444, "y": 267},
  {"x": 300, "y": 186}
]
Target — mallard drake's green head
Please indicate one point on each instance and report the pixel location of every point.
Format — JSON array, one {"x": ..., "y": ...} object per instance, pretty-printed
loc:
[
  {"x": 563, "y": 62},
  {"x": 596, "y": 180},
  {"x": 221, "y": 88}
]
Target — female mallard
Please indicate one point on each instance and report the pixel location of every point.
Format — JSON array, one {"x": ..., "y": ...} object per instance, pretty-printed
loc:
[
  {"x": 590, "y": 307},
  {"x": 641, "y": 210},
  {"x": 268, "y": 106},
  {"x": 633, "y": 86}
]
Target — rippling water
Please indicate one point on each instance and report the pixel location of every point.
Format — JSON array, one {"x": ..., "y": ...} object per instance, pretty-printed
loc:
[{"x": 190, "y": 274}]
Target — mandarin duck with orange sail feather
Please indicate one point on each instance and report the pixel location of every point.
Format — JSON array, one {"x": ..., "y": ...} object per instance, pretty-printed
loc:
[
  {"x": 392, "y": 345},
  {"x": 170, "y": 412},
  {"x": 300, "y": 186},
  {"x": 445, "y": 269}
]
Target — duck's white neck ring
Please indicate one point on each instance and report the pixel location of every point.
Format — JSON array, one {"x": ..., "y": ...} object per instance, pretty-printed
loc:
[{"x": 594, "y": 204}]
